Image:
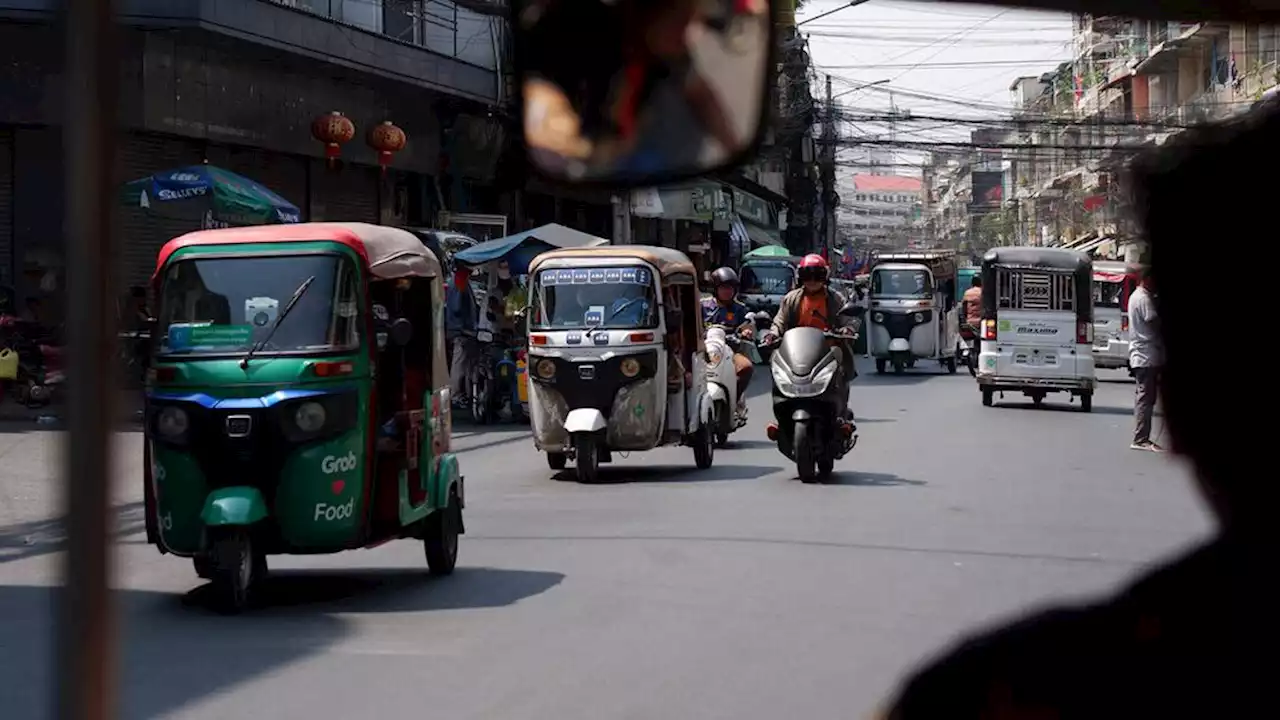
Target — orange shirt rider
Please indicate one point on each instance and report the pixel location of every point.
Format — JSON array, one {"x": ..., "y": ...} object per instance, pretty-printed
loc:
[{"x": 813, "y": 309}]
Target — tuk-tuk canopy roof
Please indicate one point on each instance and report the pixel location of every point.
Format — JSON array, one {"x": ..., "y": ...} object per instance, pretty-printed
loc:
[
  {"x": 387, "y": 252},
  {"x": 942, "y": 263},
  {"x": 1037, "y": 257},
  {"x": 666, "y": 261}
]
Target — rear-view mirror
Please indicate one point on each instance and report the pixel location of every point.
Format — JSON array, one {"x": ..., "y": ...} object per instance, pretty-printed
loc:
[
  {"x": 641, "y": 92},
  {"x": 401, "y": 332}
]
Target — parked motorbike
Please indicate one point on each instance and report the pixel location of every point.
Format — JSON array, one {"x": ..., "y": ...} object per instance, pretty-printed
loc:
[
  {"x": 808, "y": 390},
  {"x": 966, "y": 351},
  {"x": 494, "y": 381},
  {"x": 722, "y": 383},
  {"x": 39, "y": 378}
]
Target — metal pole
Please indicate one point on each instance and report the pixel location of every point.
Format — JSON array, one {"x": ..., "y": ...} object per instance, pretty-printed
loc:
[{"x": 86, "y": 649}]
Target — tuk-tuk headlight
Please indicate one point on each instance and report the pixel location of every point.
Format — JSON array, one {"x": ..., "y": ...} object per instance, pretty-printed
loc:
[
  {"x": 546, "y": 369},
  {"x": 630, "y": 367},
  {"x": 878, "y": 317},
  {"x": 172, "y": 422},
  {"x": 919, "y": 318},
  {"x": 310, "y": 417}
]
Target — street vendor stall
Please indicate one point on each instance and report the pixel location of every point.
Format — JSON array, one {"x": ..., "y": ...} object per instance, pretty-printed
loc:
[{"x": 498, "y": 269}]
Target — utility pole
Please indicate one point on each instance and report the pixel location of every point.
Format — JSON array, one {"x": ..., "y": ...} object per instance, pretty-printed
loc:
[
  {"x": 86, "y": 654},
  {"x": 827, "y": 169}
]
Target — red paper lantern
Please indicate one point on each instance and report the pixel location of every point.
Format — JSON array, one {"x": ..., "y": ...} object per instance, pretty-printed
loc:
[
  {"x": 388, "y": 140},
  {"x": 334, "y": 130}
]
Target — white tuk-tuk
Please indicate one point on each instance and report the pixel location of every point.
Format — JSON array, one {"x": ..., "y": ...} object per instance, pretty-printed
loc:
[
  {"x": 1112, "y": 284},
  {"x": 913, "y": 309},
  {"x": 616, "y": 356},
  {"x": 1037, "y": 324}
]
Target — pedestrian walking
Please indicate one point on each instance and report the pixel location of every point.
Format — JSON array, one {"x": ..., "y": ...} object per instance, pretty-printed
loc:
[
  {"x": 460, "y": 326},
  {"x": 1146, "y": 358}
]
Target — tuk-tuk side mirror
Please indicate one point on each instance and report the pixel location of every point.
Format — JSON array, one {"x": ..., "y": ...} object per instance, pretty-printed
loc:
[{"x": 401, "y": 332}]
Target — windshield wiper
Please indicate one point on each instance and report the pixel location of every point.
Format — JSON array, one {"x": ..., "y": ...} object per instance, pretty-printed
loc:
[
  {"x": 288, "y": 308},
  {"x": 613, "y": 315}
]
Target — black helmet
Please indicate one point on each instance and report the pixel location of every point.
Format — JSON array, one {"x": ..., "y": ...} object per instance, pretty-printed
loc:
[{"x": 724, "y": 276}]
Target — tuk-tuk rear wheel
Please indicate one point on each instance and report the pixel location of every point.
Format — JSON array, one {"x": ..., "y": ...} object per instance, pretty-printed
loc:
[
  {"x": 556, "y": 461},
  {"x": 440, "y": 541}
]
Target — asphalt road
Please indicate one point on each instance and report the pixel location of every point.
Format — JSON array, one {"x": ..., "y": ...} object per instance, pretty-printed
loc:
[{"x": 735, "y": 593}]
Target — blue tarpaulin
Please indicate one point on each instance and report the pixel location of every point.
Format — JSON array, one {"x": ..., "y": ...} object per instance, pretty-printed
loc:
[{"x": 520, "y": 249}]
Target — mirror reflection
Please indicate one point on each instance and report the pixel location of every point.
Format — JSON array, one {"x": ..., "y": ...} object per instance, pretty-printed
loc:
[{"x": 651, "y": 87}]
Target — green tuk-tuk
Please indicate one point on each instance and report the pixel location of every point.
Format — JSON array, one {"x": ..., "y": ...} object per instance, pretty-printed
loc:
[{"x": 298, "y": 400}]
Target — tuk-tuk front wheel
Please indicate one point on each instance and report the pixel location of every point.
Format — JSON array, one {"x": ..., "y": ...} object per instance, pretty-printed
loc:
[
  {"x": 586, "y": 458},
  {"x": 440, "y": 539},
  {"x": 237, "y": 567},
  {"x": 880, "y": 365}
]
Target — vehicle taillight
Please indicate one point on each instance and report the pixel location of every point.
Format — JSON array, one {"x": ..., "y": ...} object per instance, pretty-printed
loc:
[
  {"x": 1124, "y": 323},
  {"x": 1084, "y": 332},
  {"x": 537, "y": 339},
  {"x": 988, "y": 329}
]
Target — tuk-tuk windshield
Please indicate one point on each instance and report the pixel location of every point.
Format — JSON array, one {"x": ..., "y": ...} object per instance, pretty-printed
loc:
[
  {"x": 767, "y": 280},
  {"x": 611, "y": 298},
  {"x": 1108, "y": 293},
  {"x": 901, "y": 283},
  {"x": 226, "y": 305}
]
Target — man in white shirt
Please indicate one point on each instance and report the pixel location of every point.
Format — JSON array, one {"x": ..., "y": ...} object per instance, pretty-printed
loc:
[{"x": 1146, "y": 357}]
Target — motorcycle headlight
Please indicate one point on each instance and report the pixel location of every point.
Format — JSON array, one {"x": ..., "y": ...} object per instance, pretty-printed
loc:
[
  {"x": 172, "y": 422},
  {"x": 803, "y": 387},
  {"x": 309, "y": 417}
]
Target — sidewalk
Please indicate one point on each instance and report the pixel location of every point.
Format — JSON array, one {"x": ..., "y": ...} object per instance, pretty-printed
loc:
[{"x": 129, "y": 404}]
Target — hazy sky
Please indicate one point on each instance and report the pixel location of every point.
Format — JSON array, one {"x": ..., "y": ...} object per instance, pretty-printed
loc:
[{"x": 964, "y": 55}]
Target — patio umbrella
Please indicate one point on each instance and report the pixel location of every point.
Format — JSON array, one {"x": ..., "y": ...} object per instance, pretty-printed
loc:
[
  {"x": 769, "y": 251},
  {"x": 205, "y": 192}
]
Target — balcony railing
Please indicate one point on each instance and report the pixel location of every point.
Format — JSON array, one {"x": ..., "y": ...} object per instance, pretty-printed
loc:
[{"x": 443, "y": 27}]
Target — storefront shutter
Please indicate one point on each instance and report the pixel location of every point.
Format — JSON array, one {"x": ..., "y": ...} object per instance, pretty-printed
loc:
[
  {"x": 6, "y": 207},
  {"x": 346, "y": 194},
  {"x": 141, "y": 233}
]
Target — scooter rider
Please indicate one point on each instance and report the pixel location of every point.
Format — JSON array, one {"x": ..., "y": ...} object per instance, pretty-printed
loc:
[
  {"x": 726, "y": 310},
  {"x": 814, "y": 304}
]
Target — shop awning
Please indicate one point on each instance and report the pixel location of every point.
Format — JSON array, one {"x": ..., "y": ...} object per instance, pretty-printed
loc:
[
  {"x": 762, "y": 236},
  {"x": 1091, "y": 245}
]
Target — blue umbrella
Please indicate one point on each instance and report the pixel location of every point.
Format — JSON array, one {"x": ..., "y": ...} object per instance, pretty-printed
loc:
[{"x": 197, "y": 191}]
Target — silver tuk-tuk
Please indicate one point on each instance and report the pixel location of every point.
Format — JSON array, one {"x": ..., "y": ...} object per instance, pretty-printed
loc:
[
  {"x": 913, "y": 311},
  {"x": 616, "y": 356}
]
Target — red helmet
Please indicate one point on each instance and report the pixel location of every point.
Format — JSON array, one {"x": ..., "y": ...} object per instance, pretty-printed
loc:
[{"x": 813, "y": 267}]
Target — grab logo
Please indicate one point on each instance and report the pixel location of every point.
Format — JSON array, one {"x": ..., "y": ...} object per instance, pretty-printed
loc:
[
  {"x": 332, "y": 464},
  {"x": 330, "y": 513}
]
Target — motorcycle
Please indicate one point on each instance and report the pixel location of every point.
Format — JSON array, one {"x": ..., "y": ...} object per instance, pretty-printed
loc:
[
  {"x": 39, "y": 378},
  {"x": 966, "y": 350},
  {"x": 808, "y": 391},
  {"x": 495, "y": 381},
  {"x": 722, "y": 383}
]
